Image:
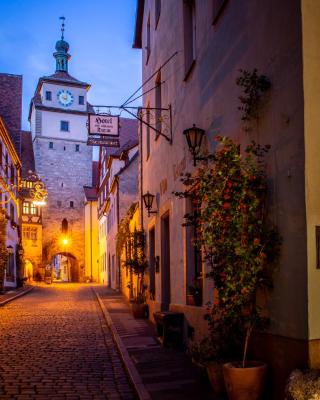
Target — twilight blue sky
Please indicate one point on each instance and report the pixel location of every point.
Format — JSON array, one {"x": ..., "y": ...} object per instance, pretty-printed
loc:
[{"x": 100, "y": 34}]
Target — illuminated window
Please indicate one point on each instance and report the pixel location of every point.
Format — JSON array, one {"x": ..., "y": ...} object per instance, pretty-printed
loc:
[
  {"x": 26, "y": 207},
  {"x": 30, "y": 233},
  {"x": 33, "y": 209}
]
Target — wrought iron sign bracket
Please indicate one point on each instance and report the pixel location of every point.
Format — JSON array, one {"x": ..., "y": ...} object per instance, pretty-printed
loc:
[{"x": 156, "y": 117}]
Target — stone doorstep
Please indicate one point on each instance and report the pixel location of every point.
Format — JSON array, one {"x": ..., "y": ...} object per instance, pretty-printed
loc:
[{"x": 4, "y": 299}]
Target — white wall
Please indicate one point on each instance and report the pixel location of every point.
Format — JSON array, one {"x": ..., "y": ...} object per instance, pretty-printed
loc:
[
  {"x": 77, "y": 125},
  {"x": 54, "y": 89}
]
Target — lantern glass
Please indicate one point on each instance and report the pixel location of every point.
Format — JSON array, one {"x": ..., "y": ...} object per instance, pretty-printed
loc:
[
  {"x": 148, "y": 200},
  {"x": 194, "y": 137}
]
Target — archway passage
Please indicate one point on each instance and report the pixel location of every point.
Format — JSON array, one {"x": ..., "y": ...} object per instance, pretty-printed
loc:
[
  {"x": 28, "y": 270},
  {"x": 65, "y": 267}
]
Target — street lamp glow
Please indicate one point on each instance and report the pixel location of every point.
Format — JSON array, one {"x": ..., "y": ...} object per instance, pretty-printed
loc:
[
  {"x": 39, "y": 202},
  {"x": 65, "y": 241}
]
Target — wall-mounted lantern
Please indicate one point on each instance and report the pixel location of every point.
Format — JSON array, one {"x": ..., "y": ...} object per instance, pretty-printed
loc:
[
  {"x": 148, "y": 201},
  {"x": 194, "y": 137}
]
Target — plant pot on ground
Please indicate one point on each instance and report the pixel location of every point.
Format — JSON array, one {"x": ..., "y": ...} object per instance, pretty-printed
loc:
[
  {"x": 208, "y": 354},
  {"x": 244, "y": 383},
  {"x": 140, "y": 310}
]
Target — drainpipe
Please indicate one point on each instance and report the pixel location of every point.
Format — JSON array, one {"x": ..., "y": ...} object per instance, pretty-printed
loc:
[
  {"x": 141, "y": 178},
  {"x": 118, "y": 223}
]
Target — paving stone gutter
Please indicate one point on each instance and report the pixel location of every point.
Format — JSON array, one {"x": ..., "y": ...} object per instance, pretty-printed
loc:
[
  {"x": 134, "y": 376},
  {"x": 16, "y": 293}
]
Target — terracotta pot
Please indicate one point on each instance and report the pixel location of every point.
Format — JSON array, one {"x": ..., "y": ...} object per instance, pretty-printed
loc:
[
  {"x": 215, "y": 374},
  {"x": 244, "y": 383},
  {"x": 140, "y": 310}
]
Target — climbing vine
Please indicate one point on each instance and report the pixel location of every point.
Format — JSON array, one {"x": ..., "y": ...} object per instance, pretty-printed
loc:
[{"x": 253, "y": 87}]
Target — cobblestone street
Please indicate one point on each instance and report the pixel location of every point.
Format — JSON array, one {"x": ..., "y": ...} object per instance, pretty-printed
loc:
[{"x": 55, "y": 344}]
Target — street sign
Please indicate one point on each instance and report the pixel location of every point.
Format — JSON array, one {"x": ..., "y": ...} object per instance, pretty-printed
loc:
[
  {"x": 102, "y": 124},
  {"x": 103, "y": 141}
]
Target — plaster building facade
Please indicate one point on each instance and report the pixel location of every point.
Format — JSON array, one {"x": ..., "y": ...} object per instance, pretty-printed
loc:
[
  {"x": 31, "y": 214},
  {"x": 209, "y": 42},
  {"x": 10, "y": 174},
  {"x": 91, "y": 228},
  {"x": 10, "y": 114},
  {"x": 118, "y": 185},
  {"x": 58, "y": 116}
]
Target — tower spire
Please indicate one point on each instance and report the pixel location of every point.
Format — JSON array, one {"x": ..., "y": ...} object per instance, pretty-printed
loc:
[
  {"x": 61, "y": 55},
  {"x": 62, "y": 27}
]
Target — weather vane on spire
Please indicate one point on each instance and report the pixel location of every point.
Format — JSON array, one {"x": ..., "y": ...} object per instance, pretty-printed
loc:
[{"x": 62, "y": 27}]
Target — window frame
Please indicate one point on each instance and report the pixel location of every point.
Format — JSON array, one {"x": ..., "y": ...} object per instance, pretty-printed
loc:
[
  {"x": 51, "y": 145},
  {"x": 218, "y": 7},
  {"x": 148, "y": 46},
  {"x": 157, "y": 12},
  {"x": 48, "y": 95},
  {"x": 62, "y": 122},
  {"x": 81, "y": 103},
  {"x": 189, "y": 36}
]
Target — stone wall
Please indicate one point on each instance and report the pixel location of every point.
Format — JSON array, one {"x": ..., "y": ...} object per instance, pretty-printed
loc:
[{"x": 64, "y": 172}]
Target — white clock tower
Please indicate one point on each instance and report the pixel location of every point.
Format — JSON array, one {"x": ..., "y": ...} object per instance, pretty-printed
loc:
[{"x": 58, "y": 117}]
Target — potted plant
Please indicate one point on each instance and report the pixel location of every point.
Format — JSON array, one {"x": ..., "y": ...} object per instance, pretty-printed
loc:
[
  {"x": 239, "y": 246},
  {"x": 137, "y": 264}
]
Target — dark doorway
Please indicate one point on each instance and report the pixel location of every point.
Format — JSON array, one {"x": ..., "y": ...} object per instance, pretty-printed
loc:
[
  {"x": 109, "y": 271},
  {"x": 152, "y": 259},
  {"x": 165, "y": 263}
]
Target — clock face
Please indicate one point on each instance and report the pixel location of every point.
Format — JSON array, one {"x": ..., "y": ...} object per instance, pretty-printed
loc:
[{"x": 65, "y": 97}]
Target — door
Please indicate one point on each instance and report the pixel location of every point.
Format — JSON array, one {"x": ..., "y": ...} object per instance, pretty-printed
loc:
[
  {"x": 165, "y": 262},
  {"x": 152, "y": 255}
]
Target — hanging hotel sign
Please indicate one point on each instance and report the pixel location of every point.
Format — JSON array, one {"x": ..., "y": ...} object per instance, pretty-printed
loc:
[
  {"x": 103, "y": 141},
  {"x": 103, "y": 124}
]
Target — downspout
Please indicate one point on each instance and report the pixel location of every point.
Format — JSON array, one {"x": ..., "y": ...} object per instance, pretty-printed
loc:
[
  {"x": 141, "y": 178},
  {"x": 118, "y": 223}
]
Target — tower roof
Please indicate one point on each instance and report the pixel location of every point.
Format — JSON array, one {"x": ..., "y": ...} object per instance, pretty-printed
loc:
[{"x": 61, "y": 55}]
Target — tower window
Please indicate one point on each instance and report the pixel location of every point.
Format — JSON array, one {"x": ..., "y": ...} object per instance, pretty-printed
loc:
[
  {"x": 50, "y": 145},
  {"x": 64, "y": 126},
  {"x": 64, "y": 226},
  {"x": 81, "y": 100},
  {"x": 77, "y": 147},
  {"x": 48, "y": 95},
  {"x": 71, "y": 204}
]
